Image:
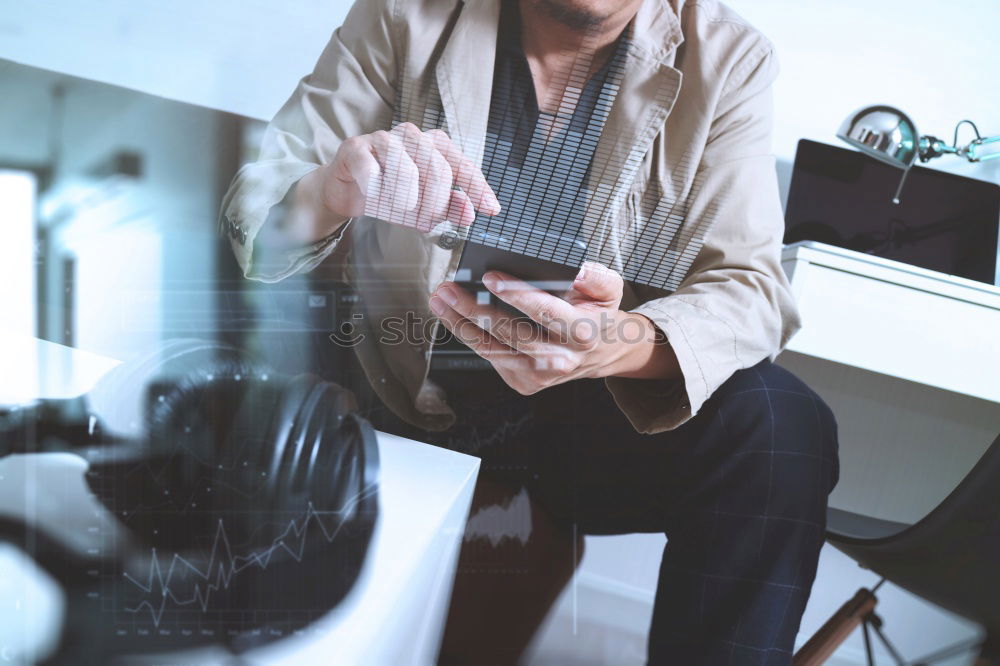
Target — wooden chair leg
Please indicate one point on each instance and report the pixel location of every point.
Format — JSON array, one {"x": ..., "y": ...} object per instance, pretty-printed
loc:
[{"x": 836, "y": 630}]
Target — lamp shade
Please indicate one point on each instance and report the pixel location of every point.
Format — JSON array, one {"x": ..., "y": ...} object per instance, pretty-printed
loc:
[{"x": 882, "y": 132}]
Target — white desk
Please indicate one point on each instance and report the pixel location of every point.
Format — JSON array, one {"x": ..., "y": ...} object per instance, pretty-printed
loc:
[
  {"x": 897, "y": 320},
  {"x": 394, "y": 614},
  {"x": 909, "y": 360}
]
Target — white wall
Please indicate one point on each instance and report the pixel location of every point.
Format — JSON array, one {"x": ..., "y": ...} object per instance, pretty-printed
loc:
[
  {"x": 938, "y": 61},
  {"x": 17, "y": 252},
  {"x": 243, "y": 56}
]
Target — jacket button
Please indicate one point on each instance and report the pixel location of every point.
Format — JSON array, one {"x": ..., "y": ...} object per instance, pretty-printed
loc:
[
  {"x": 448, "y": 240},
  {"x": 237, "y": 232}
]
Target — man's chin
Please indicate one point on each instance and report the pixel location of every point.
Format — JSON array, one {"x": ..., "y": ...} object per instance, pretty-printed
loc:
[{"x": 571, "y": 14}]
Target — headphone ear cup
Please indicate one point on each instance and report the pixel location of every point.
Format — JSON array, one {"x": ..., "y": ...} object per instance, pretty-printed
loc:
[
  {"x": 321, "y": 455},
  {"x": 311, "y": 440},
  {"x": 332, "y": 474},
  {"x": 294, "y": 424},
  {"x": 306, "y": 432}
]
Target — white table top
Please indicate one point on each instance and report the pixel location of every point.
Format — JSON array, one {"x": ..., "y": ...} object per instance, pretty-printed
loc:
[
  {"x": 893, "y": 271},
  {"x": 31, "y": 368}
]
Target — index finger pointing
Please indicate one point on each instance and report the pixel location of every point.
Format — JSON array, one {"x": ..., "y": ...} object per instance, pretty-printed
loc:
[{"x": 467, "y": 175}]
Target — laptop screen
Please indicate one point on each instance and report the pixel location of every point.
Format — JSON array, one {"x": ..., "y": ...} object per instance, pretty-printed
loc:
[{"x": 943, "y": 222}]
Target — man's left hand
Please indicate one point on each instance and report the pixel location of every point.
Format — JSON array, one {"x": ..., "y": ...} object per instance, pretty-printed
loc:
[{"x": 556, "y": 340}]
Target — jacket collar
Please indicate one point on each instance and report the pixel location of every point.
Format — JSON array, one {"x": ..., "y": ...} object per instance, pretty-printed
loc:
[
  {"x": 464, "y": 75},
  {"x": 657, "y": 29}
]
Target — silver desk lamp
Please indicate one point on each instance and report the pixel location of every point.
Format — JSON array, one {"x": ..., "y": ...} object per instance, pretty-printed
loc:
[{"x": 887, "y": 134}]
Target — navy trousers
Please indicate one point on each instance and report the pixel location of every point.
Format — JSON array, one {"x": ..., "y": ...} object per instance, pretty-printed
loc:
[{"x": 740, "y": 491}]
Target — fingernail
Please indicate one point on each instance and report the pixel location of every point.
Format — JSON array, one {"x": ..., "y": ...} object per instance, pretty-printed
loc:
[
  {"x": 492, "y": 203},
  {"x": 447, "y": 295},
  {"x": 582, "y": 275},
  {"x": 493, "y": 282},
  {"x": 437, "y": 305}
]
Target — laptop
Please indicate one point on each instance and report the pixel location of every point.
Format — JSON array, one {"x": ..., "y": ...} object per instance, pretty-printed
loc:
[{"x": 943, "y": 222}]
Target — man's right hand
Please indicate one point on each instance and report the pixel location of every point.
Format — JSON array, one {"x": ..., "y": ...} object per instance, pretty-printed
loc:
[{"x": 406, "y": 177}]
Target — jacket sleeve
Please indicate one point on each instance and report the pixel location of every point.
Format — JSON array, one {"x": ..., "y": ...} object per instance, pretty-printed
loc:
[
  {"x": 735, "y": 306},
  {"x": 350, "y": 92}
]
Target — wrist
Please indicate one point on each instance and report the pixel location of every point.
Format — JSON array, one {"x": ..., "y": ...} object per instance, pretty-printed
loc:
[
  {"x": 619, "y": 340},
  {"x": 642, "y": 350},
  {"x": 322, "y": 184},
  {"x": 317, "y": 200}
]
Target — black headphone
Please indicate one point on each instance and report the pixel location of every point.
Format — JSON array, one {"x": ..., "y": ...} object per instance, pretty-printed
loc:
[{"x": 245, "y": 498}]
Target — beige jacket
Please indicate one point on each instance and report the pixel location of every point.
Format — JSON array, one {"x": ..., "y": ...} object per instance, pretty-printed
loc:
[{"x": 690, "y": 127}]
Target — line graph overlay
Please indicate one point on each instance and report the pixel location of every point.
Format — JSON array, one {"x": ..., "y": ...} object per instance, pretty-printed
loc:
[{"x": 226, "y": 565}]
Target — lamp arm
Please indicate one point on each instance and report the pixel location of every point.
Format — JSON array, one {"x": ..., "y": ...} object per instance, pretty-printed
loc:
[
  {"x": 973, "y": 153},
  {"x": 930, "y": 147}
]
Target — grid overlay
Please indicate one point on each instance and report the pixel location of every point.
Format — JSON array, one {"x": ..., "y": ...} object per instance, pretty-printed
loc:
[{"x": 657, "y": 246}]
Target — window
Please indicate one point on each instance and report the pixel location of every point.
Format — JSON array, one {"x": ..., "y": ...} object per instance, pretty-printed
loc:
[{"x": 17, "y": 251}]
